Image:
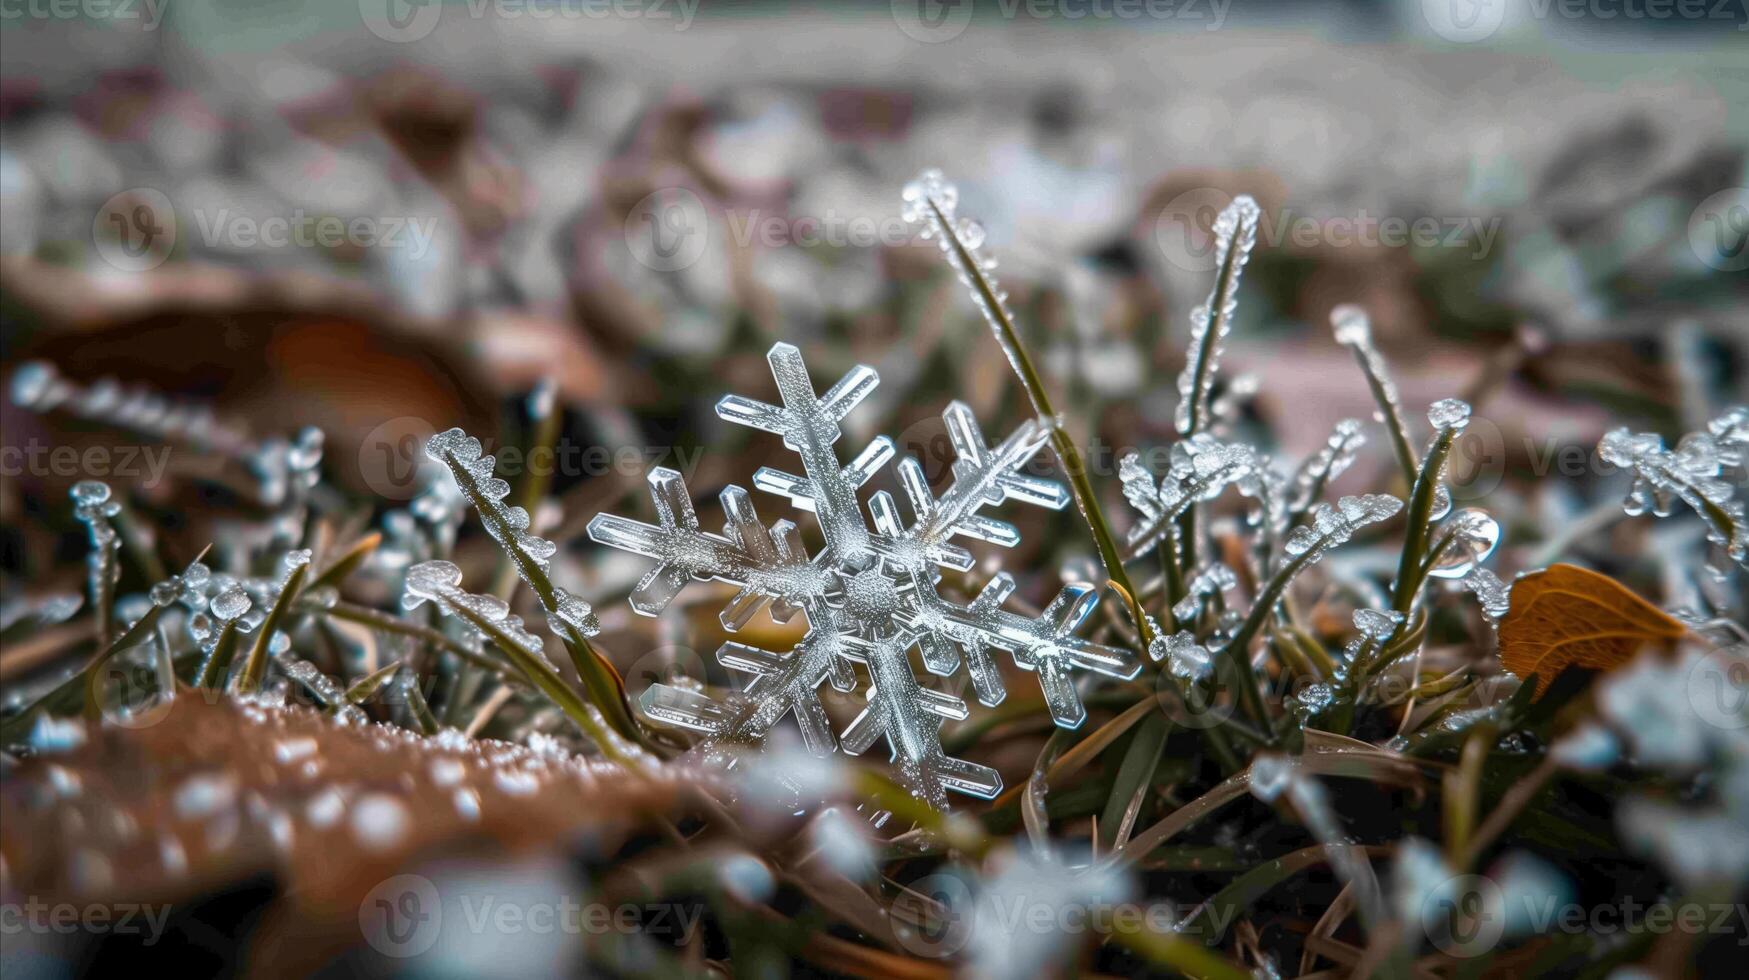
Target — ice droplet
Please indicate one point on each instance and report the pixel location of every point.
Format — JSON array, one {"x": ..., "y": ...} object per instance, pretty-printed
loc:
[
  {"x": 1449, "y": 413},
  {"x": 1270, "y": 776},
  {"x": 1587, "y": 748},
  {"x": 1351, "y": 326},
  {"x": 90, "y": 493},
  {"x": 1377, "y": 625},
  {"x": 1474, "y": 535},
  {"x": 230, "y": 604}
]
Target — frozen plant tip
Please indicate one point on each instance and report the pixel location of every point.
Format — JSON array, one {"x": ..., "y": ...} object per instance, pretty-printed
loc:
[
  {"x": 569, "y": 617},
  {"x": 1354, "y": 331},
  {"x": 1235, "y": 232},
  {"x": 1199, "y": 469},
  {"x": 1690, "y": 473},
  {"x": 94, "y": 508}
]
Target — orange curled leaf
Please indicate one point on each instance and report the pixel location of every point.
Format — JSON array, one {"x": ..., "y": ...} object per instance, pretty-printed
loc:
[{"x": 1567, "y": 616}]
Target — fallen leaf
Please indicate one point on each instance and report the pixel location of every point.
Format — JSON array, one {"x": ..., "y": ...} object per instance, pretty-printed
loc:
[
  {"x": 207, "y": 792},
  {"x": 1567, "y": 616}
]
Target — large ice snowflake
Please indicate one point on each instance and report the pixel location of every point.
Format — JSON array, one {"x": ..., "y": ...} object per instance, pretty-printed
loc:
[{"x": 870, "y": 594}]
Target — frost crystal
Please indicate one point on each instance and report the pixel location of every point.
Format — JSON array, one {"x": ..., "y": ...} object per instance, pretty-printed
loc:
[
  {"x": 439, "y": 583},
  {"x": 1328, "y": 464},
  {"x": 870, "y": 594},
  {"x": 1212, "y": 580},
  {"x": 1448, "y": 413},
  {"x": 1235, "y": 231},
  {"x": 567, "y": 615},
  {"x": 1377, "y": 625},
  {"x": 94, "y": 508},
  {"x": 1334, "y": 524},
  {"x": 39, "y": 387},
  {"x": 1354, "y": 330},
  {"x": 1690, "y": 473},
  {"x": 1494, "y": 595},
  {"x": 933, "y": 202},
  {"x": 1186, "y": 659},
  {"x": 1198, "y": 469}
]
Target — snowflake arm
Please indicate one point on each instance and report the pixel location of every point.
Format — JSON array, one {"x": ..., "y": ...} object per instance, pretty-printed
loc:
[
  {"x": 809, "y": 426},
  {"x": 910, "y": 716},
  {"x": 770, "y": 565}
]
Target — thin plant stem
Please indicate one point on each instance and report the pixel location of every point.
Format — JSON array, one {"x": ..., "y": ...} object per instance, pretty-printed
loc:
[
  {"x": 1420, "y": 511},
  {"x": 1067, "y": 452}
]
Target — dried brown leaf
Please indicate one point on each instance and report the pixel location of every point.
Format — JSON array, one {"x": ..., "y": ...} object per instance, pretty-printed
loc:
[{"x": 1567, "y": 616}]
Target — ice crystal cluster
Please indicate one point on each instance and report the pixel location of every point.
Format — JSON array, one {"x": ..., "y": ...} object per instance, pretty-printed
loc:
[
  {"x": 1693, "y": 472},
  {"x": 1199, "y": 468},
  {"x": 439, "y": 583},
  {"x": 473, "y": 473},
  {"x": 870, "y": 595}
]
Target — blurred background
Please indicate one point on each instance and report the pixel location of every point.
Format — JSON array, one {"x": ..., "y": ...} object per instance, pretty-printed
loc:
[{"x": 387, "y": 217}]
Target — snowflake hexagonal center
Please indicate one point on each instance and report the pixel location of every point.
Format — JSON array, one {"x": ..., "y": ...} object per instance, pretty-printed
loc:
[{"x": 871, "y": 597}]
